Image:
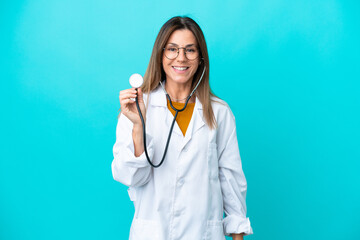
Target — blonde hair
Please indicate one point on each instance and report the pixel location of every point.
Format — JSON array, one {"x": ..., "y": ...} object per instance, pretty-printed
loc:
[{"x": 155, "y": 71}]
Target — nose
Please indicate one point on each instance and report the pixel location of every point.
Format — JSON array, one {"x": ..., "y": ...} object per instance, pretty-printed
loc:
[{"x": 181, "y": 56}]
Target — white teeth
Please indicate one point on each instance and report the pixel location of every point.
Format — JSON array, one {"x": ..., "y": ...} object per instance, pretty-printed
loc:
[{"x": 180, "y": 68}]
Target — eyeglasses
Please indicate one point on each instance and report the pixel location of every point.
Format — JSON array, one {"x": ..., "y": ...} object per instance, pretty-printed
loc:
[{"x": 172, "y": 52}]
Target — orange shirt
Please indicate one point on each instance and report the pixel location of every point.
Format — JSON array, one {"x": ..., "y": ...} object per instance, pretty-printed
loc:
[{"x": 183, "y": 118}]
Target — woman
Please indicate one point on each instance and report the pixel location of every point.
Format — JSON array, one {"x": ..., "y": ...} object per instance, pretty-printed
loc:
[{"x": 201, "y": 177}]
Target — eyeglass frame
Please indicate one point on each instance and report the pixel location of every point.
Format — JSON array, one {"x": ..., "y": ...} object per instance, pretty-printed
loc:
[{"x": 178, "y": 51}]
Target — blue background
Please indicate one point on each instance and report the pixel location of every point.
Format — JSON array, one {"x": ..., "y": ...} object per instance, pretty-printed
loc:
[{"x": 290, "y": 71}]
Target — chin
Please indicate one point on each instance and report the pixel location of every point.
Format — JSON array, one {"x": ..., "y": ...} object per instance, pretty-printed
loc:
[{"x": 182, "y": 80}]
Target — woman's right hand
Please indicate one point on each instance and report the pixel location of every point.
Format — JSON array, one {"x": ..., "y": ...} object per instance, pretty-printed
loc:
[{"x": 128, "y": 105}]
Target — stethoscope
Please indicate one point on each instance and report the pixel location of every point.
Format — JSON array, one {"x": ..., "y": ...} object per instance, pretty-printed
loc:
[{"x": 136, "y": 80}]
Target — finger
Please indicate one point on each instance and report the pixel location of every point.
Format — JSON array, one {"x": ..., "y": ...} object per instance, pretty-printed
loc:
[
  {"x": 127, "y": 95},
  {"x": 131, "y": 90},
  {"x": 124, "y": 103},
  {"x": 140, "y": 94}
]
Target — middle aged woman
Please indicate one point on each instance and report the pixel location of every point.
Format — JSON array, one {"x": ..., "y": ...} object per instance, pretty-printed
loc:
[{"x": 201, "y": 177}]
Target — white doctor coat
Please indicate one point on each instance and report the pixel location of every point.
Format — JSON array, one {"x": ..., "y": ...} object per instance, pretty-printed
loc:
[{"x": 200, "y": 180}]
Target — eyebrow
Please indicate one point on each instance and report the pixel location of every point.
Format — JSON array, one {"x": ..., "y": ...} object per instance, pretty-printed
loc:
[{"x": 189, "y": 45}]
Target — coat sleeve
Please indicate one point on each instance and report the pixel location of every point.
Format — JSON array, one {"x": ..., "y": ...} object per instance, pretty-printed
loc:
[
  {"x": 126, "y": 168},
  {"x": 232, "y": 179}
]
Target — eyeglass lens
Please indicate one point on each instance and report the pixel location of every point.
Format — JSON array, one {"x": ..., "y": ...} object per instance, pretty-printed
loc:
[{"x": 171, "y": 52}]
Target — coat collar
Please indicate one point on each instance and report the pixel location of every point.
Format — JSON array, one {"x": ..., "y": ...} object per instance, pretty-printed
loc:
[{"x": 157, "y": 98}]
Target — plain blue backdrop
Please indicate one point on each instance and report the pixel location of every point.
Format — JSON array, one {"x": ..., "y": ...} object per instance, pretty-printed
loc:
[{"x": 289, "y": 70}]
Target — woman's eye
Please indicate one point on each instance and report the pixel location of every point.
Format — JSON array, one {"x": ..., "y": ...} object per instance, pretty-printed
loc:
[
  {"x": 191, "y": 50},
  {"x": 172, "y": 49}
]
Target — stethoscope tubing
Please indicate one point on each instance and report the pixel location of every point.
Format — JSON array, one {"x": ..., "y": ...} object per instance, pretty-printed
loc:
[
  {"x": 172, "y": 124},
  {"x": 170, "y": 132}
]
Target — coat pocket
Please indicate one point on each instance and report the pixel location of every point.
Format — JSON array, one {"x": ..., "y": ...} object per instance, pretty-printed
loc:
[
  {"x": 213, "y": 164},
  {"x": 214, "y": 230},
  {"x": 144, "y": 230}
]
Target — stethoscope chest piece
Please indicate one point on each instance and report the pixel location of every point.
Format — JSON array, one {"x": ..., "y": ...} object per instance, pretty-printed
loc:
[{"x": 136, "y": 80}]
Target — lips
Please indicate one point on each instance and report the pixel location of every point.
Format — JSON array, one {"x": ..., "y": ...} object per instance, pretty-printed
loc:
[{"x": 179, "y": 69}]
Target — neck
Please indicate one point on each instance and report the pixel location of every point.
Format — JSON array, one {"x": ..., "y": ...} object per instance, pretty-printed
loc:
[{"x": 179, "y": 92}]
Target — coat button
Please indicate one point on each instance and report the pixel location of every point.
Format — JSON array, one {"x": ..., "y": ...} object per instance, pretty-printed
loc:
[
  {"x": 181, "y": 182},
  {"x": 177, "y": 213}
]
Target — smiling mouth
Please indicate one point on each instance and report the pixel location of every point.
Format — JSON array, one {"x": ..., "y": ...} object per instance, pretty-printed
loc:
[{"x": 180, "y": 68}]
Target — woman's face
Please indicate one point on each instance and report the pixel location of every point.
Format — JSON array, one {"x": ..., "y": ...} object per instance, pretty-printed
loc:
[{"x": 181, "y": 70}]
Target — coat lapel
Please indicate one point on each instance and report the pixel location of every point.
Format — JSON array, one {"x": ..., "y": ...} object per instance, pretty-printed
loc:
[
  {"x": 195, "y": 124},
  {"x": 158, "y": 99}
]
